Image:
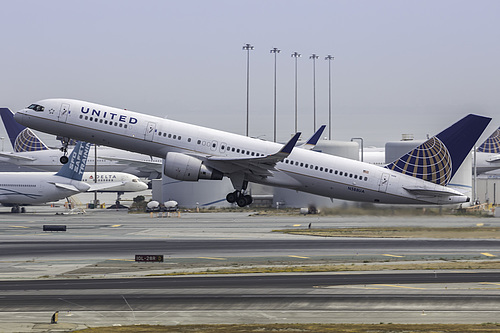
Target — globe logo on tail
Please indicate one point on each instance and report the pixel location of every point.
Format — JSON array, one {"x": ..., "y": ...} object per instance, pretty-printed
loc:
[
  {"x": 431, "y": 161},
  {"x": 28, "y": 141}
]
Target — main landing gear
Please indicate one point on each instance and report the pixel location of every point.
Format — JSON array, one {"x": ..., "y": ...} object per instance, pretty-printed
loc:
[
  {"x": 241, "y": 199},
  {"x": 17, "y": 209}
]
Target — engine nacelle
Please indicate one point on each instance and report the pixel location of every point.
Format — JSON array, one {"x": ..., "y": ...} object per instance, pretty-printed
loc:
[{"x": 183, "y": 167}]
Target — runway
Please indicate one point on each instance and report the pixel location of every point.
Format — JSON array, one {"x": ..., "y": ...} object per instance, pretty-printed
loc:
[{"x": 89, "y": 275}]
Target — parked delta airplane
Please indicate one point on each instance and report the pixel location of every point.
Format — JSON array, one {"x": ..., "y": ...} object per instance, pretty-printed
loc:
[
  {"x": 194, "y": 152},
  {"x": 28, "y": 188},
  {"x": 30, "y": 151}
]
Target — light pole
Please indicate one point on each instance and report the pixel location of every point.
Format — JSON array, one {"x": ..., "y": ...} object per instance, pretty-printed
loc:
[
  {"x": 295, "y": 55},
  {"x": 329, "y": 58},
  {"x": 248, "y": 47},
  {"x": 275, "y": 51},
  {"x": 314, "y": 57}
]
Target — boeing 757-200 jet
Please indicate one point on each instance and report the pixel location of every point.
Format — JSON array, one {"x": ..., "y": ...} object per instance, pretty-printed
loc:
[{"x": 193, "y": 152}]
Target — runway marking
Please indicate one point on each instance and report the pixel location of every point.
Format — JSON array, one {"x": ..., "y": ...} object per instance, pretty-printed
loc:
[
  {"x": 488, "y": 254},
  {"x": 211, "y": 258},
  {"x": 393, "y": 255},
  {"x": 297, "y": 225},
  {"x": 17, "y": 226},
  {"x": 116, "y": 226},
  {"x": 496, "y": 284},
  {"x": 479, "y": 224},
  {"x": 396, "y": 286},
  {"x": 291, "y": 256},
  {"x": 122, "y": 259}
]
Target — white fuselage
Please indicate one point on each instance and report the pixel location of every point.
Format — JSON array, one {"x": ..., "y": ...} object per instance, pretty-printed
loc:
[
  {"x": 29, "y": 188},
  {"x": 127, "y": 182},
  {"x": 303, "y": 170}
]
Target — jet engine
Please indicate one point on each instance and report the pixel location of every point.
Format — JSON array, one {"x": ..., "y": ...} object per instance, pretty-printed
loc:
[{"x": 183, "y": 167}]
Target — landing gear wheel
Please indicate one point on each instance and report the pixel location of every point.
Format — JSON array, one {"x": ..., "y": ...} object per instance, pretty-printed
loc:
[
  {"x": 64, "y": 159},
  {"x": 249, "y": 199},
  {"x": 244, "y": 200},
  {"x": 231, "y": 197}
]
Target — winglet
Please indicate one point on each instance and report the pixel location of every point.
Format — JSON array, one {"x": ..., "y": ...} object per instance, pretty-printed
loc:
[
  {"x": 287, "y": 148},
  {"x": 311, "y": 143},
  {"x": 21, "y": 138},
  {"x": 77, "y": 161}
]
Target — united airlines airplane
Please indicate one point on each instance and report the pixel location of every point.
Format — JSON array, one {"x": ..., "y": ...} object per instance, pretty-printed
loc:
[{"x": 193, "y": 152}]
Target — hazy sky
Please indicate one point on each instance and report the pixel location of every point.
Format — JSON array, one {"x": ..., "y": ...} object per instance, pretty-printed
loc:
[{"x": 400, "y": 66}]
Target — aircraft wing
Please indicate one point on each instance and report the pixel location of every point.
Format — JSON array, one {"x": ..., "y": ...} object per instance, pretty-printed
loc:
[
  {"x": 103, "y": 186},
  {"x": 431, "y": 192},
  {"x": 259, "y": 166},
  {"x": 15, "y": 157},
  {"x": 155, "y": 166}
]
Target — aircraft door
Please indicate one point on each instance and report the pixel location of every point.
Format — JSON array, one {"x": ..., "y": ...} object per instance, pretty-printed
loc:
[
  {"x": 384, "y": 182},
  {"x": 150, "y": 131},
  {"x": 63, "y": 113}
]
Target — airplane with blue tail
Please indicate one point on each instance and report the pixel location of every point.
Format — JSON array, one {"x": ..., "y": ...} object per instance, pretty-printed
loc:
[{"x": 194, "y": 152}]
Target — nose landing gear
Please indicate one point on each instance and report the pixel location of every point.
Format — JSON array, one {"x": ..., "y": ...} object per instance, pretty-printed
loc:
[{"x": 64, "y": 159}]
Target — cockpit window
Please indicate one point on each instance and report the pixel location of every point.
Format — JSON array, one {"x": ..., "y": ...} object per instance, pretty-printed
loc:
[{"x": 36, "y": 107}]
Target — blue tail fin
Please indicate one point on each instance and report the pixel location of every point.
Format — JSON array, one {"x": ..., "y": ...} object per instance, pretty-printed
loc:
[
  {"x": 492, "y": 144},
  {"x": 21, "y": 138},
  {"x": 77, "y": 161},
  {"x": 438, "y": 159}
]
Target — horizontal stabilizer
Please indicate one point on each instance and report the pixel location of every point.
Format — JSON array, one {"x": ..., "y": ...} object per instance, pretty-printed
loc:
[
  {"x": 446, "y": 192},
  {"x": 493, "y": 159},
  {"x": 68, "y": 187}
]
